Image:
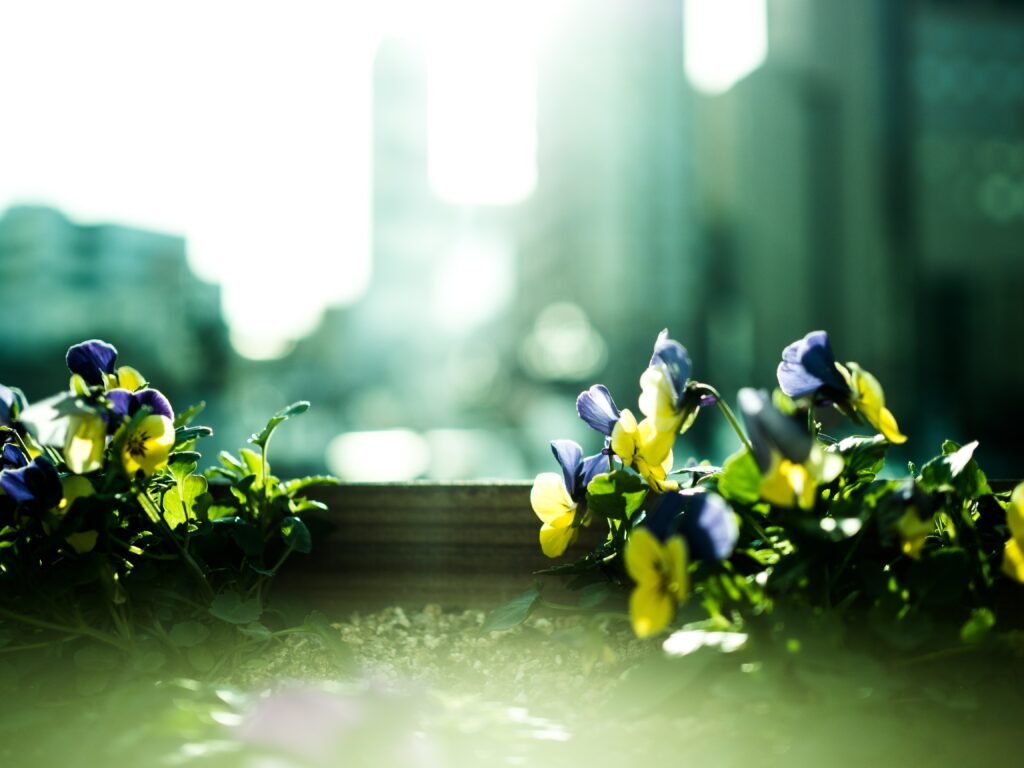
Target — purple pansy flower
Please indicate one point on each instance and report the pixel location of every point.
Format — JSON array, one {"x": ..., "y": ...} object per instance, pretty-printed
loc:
[
  {"x": 126, "y": 404},
  {"x": 577, "y": 471},
  {"x": 705, "y": 520},
  {"x": 35, "y": 484},
  {"x": 808, "y": 366},
  {"x": 597, "y": 408},
  {"x": 92, "y": 360},
  {"x": 11, "y": 457}
]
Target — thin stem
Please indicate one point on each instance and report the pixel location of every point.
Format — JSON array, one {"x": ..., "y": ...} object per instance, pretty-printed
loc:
[
  {"x": 82, "y": 629},
  {"x": 730, "y": 417},
  {"x": 153, "y": 512}
]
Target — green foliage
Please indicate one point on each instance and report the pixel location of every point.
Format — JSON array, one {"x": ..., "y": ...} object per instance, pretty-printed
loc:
[
  {"x": 513, "y": 613},
  {"x": 616, "y": 496},
  {"x": 171, "y": 565}
]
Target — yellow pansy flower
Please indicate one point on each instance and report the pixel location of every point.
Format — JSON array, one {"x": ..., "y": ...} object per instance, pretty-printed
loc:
[
  {"x": 645, "y": 449},
  {"x": 1013, "y": 553},
  {"x": 554, "y": 506},
  {"x": 913, "y": 531},
  {"x": 662, "y": 582},
  {"x": 148, "y": 445},
  {"x": 868, "y": 399}
]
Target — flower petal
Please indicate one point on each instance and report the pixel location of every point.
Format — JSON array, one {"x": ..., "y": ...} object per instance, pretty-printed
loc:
[
  {"x": 624, "y": 436},
  {"x": 671, "y": 356},
  {"x": 1013, "y": 561},
  {"x": 569, "y": 456},
  {"x": 643, "y": 557},
  {"x": 549, "y": 498},
  {"x": 37, "y": 483},
  {"x": 91, "y": 360},
  {"x": 556, "y": 536},
  {"x": 85, "y": 442},
  {"x": 1015, "y": 513},
  {"x": 148, "y": 446},
  {"x": 809, "y": 365},
  {"x": 657, "y": 401},
  {"x": 154, "y": 400},
  {"x": 596, "y": 407},
  {"x": 650, "y": 610}
]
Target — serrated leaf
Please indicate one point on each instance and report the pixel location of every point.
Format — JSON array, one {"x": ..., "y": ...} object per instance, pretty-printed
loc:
[
  {"x": 616, "y": 495},
  {"x": 741, "y": 479},
  {"x": 302, "y": 505},
  {"x": 513, "y": 613},
  {"x": 232, "y": 608},
  {"x": 296, "y": 535},
  {"x": 186, "y": 434},
  {"x": 284, "y": 414}
]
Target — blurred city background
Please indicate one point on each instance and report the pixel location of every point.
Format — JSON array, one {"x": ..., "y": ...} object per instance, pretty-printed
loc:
[{"x": 440, "y": 221}]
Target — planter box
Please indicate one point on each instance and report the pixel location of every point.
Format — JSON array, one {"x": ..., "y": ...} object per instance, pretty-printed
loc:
[{"x": 464, "y": 544}]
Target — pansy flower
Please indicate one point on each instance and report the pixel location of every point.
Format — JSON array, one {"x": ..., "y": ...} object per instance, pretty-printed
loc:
[
  {"x": 92, "y": 362},
  {"x": 705, "y": 520},
  {"x": 664, "y": 396},
  {"x": 791, "y": 462},
  {"x": 597, "y": 409},
  {"x": 12, "y": 402},
  {"x": 36, "y": 484},
  {"x": 85, "y": 442},
  {"x": 556, "y": 498},
  {"x": 659, "y": 571},
  {"x": 1013, "y": 553},
  {"x": 645, "y": 449},
  {"x": 809, "y": 368}
]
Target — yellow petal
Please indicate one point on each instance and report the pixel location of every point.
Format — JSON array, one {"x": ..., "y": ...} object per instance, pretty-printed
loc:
[
  {"x": 85, "y": 442},
  {"x": 870, "y": 402},
  {"x": 74, "y": 487},
  {"x": 1015, "y": 513},
  {"x": 676, "y": 560},
  {"x": 625, "y": 436},
  {"x": 650, "y": 610},
  {"x": 556, "y": 536},
  {"x": 643, "y": 557},
  {"x": 147, "y": 447},
  {"x": 654, "y": 446},
  {"x": 656, "y": 400},
  {"x": 549, "y": 497},
  {"x": 83, "y": 541},
  {"x": 914, "y": 532},
  {"x": 130, "y": 379},
  {"x": 1013, "y": 561}
]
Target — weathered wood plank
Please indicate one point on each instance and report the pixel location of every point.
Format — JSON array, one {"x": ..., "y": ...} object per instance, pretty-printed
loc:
[{"x": 457, "y": 544}]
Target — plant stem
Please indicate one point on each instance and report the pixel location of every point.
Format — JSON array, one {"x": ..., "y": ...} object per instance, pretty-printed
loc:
[
  {"x": 730, "y": 417},
  {"x": 153, "y": 512},
  {"x": 81, "y": 629}
]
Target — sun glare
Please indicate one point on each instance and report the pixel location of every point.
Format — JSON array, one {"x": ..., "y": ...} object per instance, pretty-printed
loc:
[{"x": 723, "y": 41}]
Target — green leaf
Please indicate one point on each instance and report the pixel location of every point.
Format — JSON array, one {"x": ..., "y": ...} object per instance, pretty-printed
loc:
[
  {"x": 593, "y": 595},
  {"x": 256, "y": 630},
  {"x": 284, "y": 414},
  {"x": 179, "y": 502},
  {"x": 302, "y": 505},
  {"x": 957, "y": 471},
  {"x": 296, "y": 535},
  {"x": 187, "y": 634},
  {"x": 741, "y": 478},
  {"x": 863, "y": 457},
  {"x": 96, "y": 658},
  {"x": 513, "y": 613},
  {"x": 232, "y": 608},
  {"x": 941, "y": 576},
  {"x": 184, "y": 418},
  {"x": 294, "y": 486},
  {"x": 616, "y": 495},
  {"x": 976, "y": 628},
  {"x": 220, "y": 511},
  {"x": 246, "y": 536},
  {"x": 185, "y": 434}
]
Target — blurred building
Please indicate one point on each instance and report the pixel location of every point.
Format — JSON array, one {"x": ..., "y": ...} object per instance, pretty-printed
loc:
[{"x": 62, "y": 282}]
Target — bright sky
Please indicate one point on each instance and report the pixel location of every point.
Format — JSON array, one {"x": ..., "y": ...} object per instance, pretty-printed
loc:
[{"x": 245, "y": 126}]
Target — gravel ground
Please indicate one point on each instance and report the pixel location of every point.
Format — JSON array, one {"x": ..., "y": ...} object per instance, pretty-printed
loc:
[{"x": 578, "y": 657}]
